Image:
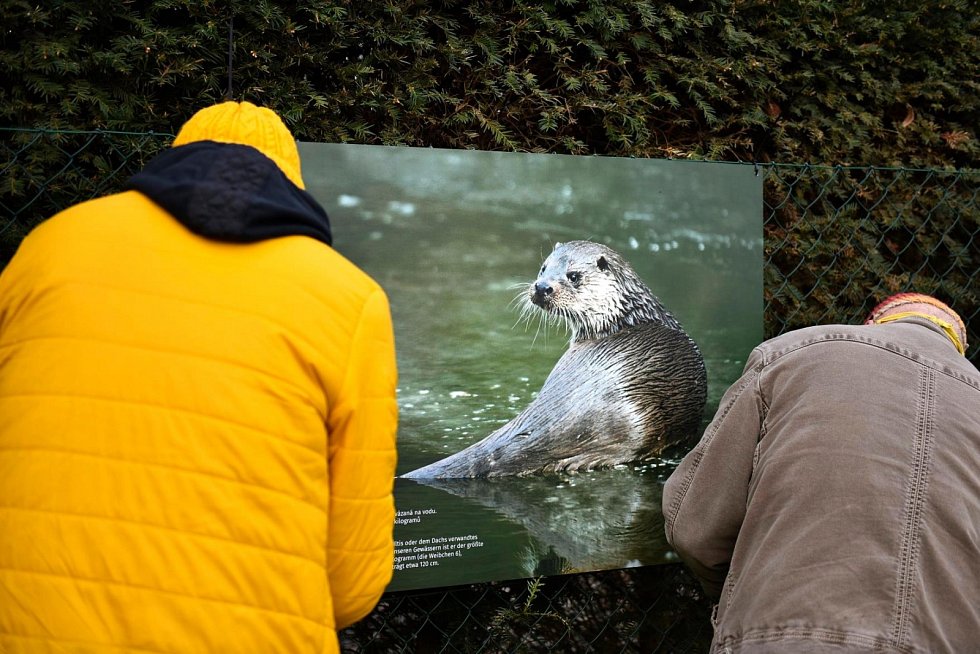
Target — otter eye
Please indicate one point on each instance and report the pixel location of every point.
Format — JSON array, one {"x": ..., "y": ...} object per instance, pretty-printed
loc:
[
  {"x": 574, "y": 277},
  {"x": 542, "y": 269}
]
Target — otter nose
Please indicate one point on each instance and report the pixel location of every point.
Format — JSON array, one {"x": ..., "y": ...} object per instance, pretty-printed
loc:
[
  {"x": 542, "y": 294},
  {"x": 542, "y": 289}
]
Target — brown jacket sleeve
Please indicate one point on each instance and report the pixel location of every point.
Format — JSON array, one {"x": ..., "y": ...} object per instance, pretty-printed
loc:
[{"x": 705, "y": 497}]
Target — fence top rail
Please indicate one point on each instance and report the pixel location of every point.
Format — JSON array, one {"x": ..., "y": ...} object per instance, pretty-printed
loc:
[
  {"x": 757, "y": 164},
  {"x": 871, "y": 167},
  {"x": 105, "y": 132}
]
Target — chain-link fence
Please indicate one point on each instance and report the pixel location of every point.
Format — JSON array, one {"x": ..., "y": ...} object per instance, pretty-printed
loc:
[
  {"x": 837, "y": 240},
  {"x": 45, "y": 171}
]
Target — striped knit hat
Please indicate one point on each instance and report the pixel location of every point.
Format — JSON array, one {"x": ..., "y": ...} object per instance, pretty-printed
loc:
[
  {"x": 246, "y": 124},
  {"x": 926, "y": 306}
]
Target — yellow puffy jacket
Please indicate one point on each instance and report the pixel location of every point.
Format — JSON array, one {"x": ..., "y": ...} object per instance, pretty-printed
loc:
[{"x": 197, "y": 437}]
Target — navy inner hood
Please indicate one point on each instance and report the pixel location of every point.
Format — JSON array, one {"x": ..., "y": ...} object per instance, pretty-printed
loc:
[{"x": 230, "y": 192}]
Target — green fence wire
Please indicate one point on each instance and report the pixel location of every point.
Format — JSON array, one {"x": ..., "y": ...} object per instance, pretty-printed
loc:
[{"x": 837, "y": 240}]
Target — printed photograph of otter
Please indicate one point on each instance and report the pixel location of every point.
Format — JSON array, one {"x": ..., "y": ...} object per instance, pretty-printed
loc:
[{"x": 565, "y": 327}]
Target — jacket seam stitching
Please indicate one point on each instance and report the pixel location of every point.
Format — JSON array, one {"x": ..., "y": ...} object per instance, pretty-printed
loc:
[
  {"x": 172, "y": 468},
  {"x": 175, "y": 530},
  {"x": 358, "y": 550},
  {"x": 763, "y": 418},
  {"x": 169, "y": 408},
  {"x": 376, "y": 498},
  {"x": 355, "y": 334},
  {"x": 916, "y": 492},
  {"x": 342, "y": 392},
  {"x": 172, "y": 352},
  {"x": 823, "y": 635},
  {"x": 772, "y": 356},
  {"x": 151, "y": 589},
  {"x": 156, "y": 294},
  {"x": 87, "y": 643}
]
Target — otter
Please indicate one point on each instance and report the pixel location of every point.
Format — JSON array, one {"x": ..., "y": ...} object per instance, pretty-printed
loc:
[{"x": 631, "y": 383}]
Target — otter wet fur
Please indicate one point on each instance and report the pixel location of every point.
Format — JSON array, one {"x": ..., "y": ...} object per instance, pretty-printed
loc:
[{"x": 630, "y": 384}]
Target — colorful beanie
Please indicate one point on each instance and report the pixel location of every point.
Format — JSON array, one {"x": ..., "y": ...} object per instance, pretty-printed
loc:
[
  {"x": 246, "y": 124},
  {"x": 906, "y": 303}
]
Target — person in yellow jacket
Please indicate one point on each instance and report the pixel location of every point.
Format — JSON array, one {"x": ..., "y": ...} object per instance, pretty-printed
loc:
[{"x": 197, "y": 412}]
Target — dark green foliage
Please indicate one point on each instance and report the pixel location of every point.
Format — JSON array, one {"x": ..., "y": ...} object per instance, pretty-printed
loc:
[{"x": 823, "y": 82}]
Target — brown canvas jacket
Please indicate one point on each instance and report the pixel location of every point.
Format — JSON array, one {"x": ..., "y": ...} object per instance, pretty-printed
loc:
[{"x": 833, "y": 504}]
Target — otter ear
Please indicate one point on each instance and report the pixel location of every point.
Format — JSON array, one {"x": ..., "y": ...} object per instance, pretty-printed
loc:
[
  {"x": 602, "y": 263},
  {"x": 557, "y": 245}
]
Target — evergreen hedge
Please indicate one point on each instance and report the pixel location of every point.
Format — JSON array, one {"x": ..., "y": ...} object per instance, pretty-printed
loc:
[{"x": 818, "y": 81}]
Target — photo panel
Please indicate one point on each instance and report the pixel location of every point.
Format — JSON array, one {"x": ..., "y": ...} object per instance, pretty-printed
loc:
[{"x": 458, "y": 240}]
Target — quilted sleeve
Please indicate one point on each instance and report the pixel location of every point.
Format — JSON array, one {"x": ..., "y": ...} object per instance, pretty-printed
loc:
[
  {"x": 704, "y": 498},
  {"x": 362, "y": 458}
]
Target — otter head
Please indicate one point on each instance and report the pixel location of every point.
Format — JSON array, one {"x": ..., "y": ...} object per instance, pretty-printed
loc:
[{"x": 592, "y": 290}]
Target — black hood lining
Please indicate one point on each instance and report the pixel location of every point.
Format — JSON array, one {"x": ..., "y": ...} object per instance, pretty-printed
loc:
[{"x": 230, "y": 192}]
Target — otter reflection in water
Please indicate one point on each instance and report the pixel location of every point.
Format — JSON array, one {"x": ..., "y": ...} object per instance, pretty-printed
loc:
[{"x": 631, "y": 383}]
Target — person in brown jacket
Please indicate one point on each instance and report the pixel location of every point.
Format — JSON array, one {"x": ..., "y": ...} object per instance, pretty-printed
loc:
[{"x": 833, "y": 504}]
